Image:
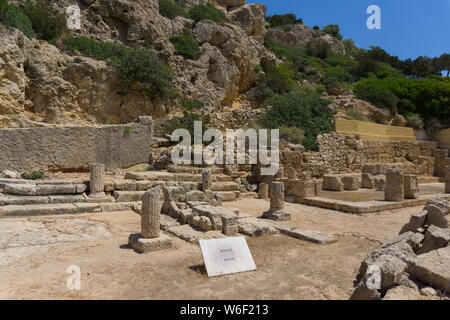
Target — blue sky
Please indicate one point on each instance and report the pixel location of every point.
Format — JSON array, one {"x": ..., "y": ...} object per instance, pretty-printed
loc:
[{"x": 409, "y": 28}]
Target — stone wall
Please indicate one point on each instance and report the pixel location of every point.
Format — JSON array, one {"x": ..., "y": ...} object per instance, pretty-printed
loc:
[
  {"x": 115, "y": 146},
  {"x": 347, "y": 153},
  {"x": 374, "y": 132}
]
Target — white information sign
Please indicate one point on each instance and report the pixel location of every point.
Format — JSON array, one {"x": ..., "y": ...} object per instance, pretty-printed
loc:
[{"x": 226, "y": 256}]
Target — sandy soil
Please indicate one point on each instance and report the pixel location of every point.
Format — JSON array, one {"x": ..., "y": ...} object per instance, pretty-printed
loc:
[{"x": 287, "y": 268}]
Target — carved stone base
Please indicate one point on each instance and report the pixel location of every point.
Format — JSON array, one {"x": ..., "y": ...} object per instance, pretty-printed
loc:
[
  {"x": 143, "y": 245},
  {"x": 276, "y": 215}
]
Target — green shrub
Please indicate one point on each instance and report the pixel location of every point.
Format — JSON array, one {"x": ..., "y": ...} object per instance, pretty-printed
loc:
[
  {"x": 202, "y": 12},
  {"x": 12, "y": 16},
  {"x": 257, "y": 68},
  {"x": 170, "y": 9},
  {"x": 318, "y": 48},
  {"x": 304, "y": 110},
  {"x": 414, "y": 121},
  {"x": 316, "y": 28},
  {"x": 336, "y": 77},
  {"x": 294, "y": 54},
  {"x": 281, "y": 20},
  {"x": 186, "y": 46},
  {"x": 320, "y": 88},
  {"x": 47, "y": 22},
  {"x": 192, "y": 104},
  {"x": 333, "y": 30},
  {"x": 353, "y": 114},
  {"x": 286, "y": 28},
  {"x": 379, "y": 96},
  {"x": 32, "y": 175},
  {"x": 427, "y": 97},
  {"x": 291, "y": 134},
  {"x": 339, "y": 60},
  {"x": 279, "y": 79},
  {"x": 133, "y": 64}
]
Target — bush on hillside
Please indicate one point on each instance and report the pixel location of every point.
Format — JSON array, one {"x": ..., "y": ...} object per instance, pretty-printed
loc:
[
  {"x": 294, "y": 54},
  {"x": 133, "y": 64},
  {"x": 186, "y": 46},
  {"x": 304, "y": 110},
  {"x": 279, "y": 79},
  {"x": 414, "y": 121},
  {"x": 318, "y": 48},
  {"x": 47, "y": 22},
  {"x": 192, "y": 104},
  {"x": 353, "y": 114},
  {"x": 170, "y": 9},
  {"x": 336, "y": 78},
  {"x": 284, "y": 19},
  {"x": 427, "y": 97},
  {"x": 333, "y": 30},
  {"x": 12, "y": 16},
  {"x": 202, "y": 12},
  {"x": 292, "y": 134}
]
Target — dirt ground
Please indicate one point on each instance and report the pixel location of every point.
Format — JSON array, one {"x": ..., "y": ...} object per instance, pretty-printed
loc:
[{"x": 287, "y": 268}]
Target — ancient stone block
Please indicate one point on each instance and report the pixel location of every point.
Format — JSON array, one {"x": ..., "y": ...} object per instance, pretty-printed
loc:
[
  {"x": 432, "y": 268},
  {"x": 350, "y": 182},
  {"x": 447, "y": 180},
  {"x": 416, "y": 221},
  {"x": 292, "y": 173},
  {"x": 434, "y": 240},
  {"x": 411, "y": 186},
  {"x": 437, "y": 216},
  {"x": 368, "y": 182},
  {"x": 394, "y": 189},
  {"x": 332, "y": 182},
  {"x": 143, "y": 245},
  {"x": 150, "y": 215}
]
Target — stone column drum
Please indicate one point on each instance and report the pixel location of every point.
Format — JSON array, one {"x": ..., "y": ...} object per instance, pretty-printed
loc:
[
  {"x": 97, "y": 182},
  {"x": 150, "y": 238},
  {"x": 151, "y": 211},
  {"x": 263, "y": 191},
  {"x": 276, "y": 193},
  {"x": 206, "y": 179},
  {"x": 411, "y": 186},
  {"x": 394, "y": 189}
]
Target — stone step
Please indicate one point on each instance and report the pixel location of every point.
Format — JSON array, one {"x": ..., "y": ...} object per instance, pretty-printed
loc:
[
  {"x": 225, "y": 186},
  {"x": 27, "y": 200},
  {"x": 305, "y": 234},
  {"x": 128, "y": 196},
  {"x": 64, "y": 208},
  {"x": 193, "y": 170},
  {"x": 42, "y": 189},
  {"x": 427, "y": 179}
]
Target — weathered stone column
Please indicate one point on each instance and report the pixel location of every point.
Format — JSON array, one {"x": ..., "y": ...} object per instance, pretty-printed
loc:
[
  {"x": 411, "y": 186},
  {"x": 150, "y": 238},
  {"x": 292, "y": 173},
  {"x": 206, "y": 179},
  {"x": 263, "y": 191},
  {"x": 150, "y": 216},
  {"x": 395, "y": 188},
  {"x": 276, "y": 193},
  {"x": 447, "y": 180},
  {"x": 97, "y": 181}
]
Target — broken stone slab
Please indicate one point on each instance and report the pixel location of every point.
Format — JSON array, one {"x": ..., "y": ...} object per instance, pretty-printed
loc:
[
  {"x": 306, "y": 235},
  {"x": 195, "y": 195},
  {"x": 292, "y": 173},
  {"x": 167, "y": 222},
  {"x": 442, "y": 203},
  {"x": 432, "y": 268},
  {"x": 411, "y": 186},
  {"x": 128, "y": 196},
  {"x": 392, "y": 269},
  {"x": 364, "y": 292},
  {"x": 205, "y": 224},
  {"x": 436, "y": 239},
  {"x": 227, "y": 195},
  {"x": 380, "y": 183},
  {"x": 332, "y": 182},
  {"x": 394, "y": 189},
  {"x": 402, "y": 293},
  {"x": 436, "y": 216},
  {"x": 301, "y": 189},
  {"x": 351, "y": 183},
  {"x": 416, "y": 221},
  {"x": 144, "y": 245},
  {"x": 144, "y": 185},
  {"x": 254, "y": 227},
  {"x": 225, "y": 186},
  {"x": 88, "y": 207},
  {"x": 411, "y": 238}
]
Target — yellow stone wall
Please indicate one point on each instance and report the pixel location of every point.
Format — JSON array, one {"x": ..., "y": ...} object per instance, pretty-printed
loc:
[
  {"x": 444, "y": 139},
  {"x": 375, "y": 132}
]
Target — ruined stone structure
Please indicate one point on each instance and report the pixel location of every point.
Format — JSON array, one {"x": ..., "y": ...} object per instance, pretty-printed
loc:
[
  {"x": 97, "y": 181},
  {"x": 206, "y": 179},
  {"x": 411, "y": 186},
  {"x": 263, "y": 192}
]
